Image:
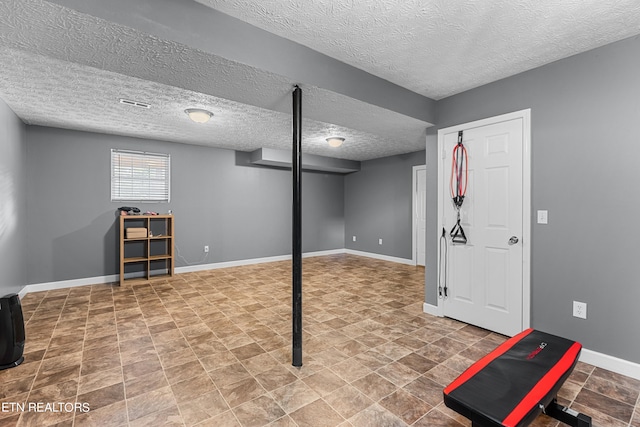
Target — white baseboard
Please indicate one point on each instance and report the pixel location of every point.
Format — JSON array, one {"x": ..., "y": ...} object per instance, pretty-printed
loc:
[
  {"x": 39, "y": 287},
  {"x": 49, "y": 286},
  {"x": 610, "y": 363},
  {"x": 227, "y": 264},
  {"x": 600, "y": 360},
  {"x": 433, "y": 310},
  {"x": 380, "y": 257},
  {"x": 603, "y": 361},
  {"x": 213, "y": 266},
  {"x": 238, "y": 263},
  {"x": 323, "y": 253}
]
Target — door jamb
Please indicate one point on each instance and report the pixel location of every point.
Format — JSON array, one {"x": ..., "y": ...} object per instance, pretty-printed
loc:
[
  {"x": 414, "y": 216},
  {"x": 525, "y": 115}
]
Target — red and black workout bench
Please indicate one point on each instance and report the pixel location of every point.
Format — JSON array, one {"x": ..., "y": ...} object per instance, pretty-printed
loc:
[{"x": 520, "y": 379}]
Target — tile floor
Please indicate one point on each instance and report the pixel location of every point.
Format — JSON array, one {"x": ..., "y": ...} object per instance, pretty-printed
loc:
[{"x": 213, "y": 349}]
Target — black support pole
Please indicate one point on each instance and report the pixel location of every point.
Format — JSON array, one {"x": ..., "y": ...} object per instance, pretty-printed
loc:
[{"x": 297, "y": 228}]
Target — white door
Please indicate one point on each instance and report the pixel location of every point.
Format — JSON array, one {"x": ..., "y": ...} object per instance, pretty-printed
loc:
[
  {"x": 485, "y": 275},
  {"x": 420, "y": 213}
]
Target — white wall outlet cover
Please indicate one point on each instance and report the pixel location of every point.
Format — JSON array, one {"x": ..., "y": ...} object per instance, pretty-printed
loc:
[
  {"x": 543, "y": 217},
  {"x": 580, "y": 309}
]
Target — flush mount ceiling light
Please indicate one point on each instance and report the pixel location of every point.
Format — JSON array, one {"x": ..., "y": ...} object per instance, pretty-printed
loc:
[
  {"x": 335, "y": 141},
  {"x": 198, "y": 115}
]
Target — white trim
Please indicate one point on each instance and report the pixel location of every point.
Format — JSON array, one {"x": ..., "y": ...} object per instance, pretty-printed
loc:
[
  {"x": 380, "y": 257},
  {"x": 226, "y": 264},
  {"x": 610, "y": 363},
  {"x": 100, "y": 280},
  {"x": 50, "y": 286},
  {"x": 526, "y": 218},
  {"x": 414, "y": 219},
  {"x": 525, "y": 115},
  {"x": 433, "y": 310},
  {"x": 238, "y": 263},
  {"x": 600, "y": 360},
  {"x": 323, "y": 253}
]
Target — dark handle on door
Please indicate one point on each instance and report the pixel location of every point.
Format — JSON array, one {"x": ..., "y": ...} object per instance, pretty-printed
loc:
[{"x": 513, "y": 240}]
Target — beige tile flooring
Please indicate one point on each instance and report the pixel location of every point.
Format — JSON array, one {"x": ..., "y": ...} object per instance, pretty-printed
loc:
[{"x": 213, "y": 349}]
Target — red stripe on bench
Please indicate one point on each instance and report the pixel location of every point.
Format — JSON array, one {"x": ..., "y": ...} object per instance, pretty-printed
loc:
[
  {"x": 480, "y": 364},
  {"x": 543, "y": 386}
]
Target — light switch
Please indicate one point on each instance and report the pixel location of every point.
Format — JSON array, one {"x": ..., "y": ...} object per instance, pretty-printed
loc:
[{"x": 543, "y": 217}]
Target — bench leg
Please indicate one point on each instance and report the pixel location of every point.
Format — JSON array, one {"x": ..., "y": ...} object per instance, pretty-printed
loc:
[{"x": 567, "y": 416}]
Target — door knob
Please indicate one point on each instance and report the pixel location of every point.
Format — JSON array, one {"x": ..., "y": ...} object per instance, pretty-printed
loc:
[{"x": 513, "y": 240}]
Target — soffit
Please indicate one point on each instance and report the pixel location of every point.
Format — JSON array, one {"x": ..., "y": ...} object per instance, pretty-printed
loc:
[{"x": 62, "y": 68}]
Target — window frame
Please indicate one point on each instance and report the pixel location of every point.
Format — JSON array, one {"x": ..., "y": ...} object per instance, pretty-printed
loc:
[{"x": 145, "y": 189}]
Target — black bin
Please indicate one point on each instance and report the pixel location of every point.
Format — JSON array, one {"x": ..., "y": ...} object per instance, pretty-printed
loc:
[{"x": 11, "y": 332}]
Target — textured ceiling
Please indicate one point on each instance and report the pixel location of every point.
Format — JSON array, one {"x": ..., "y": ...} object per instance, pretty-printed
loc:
[
  {"x": 47, "y": 95},
  {"x": 67, "y": 69},
  {"x": 442, "y": 47}
]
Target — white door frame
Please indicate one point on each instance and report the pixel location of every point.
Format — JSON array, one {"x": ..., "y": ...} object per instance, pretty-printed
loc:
[
  {"x": 414, "y": 219},
  {"x": 525, "y": 115}
]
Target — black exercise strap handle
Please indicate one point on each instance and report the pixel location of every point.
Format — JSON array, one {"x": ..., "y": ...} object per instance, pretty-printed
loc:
[{"x": 457, "y": 234}]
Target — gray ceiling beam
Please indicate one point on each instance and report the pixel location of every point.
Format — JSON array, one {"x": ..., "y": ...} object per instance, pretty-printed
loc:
[
  {"x": 195, "y": 25},
  {"x": 312, "y": 162}
]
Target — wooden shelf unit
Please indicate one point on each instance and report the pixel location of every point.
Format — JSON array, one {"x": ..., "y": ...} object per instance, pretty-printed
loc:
[{"x": 149, "y": 257}]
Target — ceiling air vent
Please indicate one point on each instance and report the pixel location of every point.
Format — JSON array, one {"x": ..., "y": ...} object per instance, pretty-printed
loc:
[{"x": 134, "y": 103}]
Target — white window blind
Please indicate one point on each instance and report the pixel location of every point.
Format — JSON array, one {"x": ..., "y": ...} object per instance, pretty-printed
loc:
[{"x": 139, "y": 176}]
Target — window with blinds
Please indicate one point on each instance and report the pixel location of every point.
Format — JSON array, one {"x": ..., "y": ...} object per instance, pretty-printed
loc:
[{"x": 138, "y": 176}]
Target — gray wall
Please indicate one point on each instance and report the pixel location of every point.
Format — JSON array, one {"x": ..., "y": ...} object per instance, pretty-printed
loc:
[
  {"x": 585, "y": 113},
  {"x": 240, "y": 211},
  {"x": 378, "y": 202},
  {"x": 12, "y": 205}
]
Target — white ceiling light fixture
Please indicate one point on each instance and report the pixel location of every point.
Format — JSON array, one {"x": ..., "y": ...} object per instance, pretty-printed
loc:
[
  {"x": 335, "y": 141},
  {"x": 199, "y": 115}
]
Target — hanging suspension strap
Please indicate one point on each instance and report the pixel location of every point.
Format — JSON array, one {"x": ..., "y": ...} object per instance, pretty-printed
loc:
[
  {"x": 442, "y": 271},
  {"x": 458, "y": 185}
]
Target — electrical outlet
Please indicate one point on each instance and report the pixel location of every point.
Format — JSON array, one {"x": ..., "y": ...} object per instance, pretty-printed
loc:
[
  {"x": 543, "y": 217},
  {"x": 206, "y": 248},
  {"x": 354, "y": 238},
  {"x": 379, "y": 241},
  {"x": 580, "y": 309}
]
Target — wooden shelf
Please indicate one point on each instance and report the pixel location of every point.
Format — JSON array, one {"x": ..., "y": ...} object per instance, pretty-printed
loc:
[
  {"x": 159, "y": 257},
  {"x": 146, "y": 258},
  {"x": 134, "y": 280},
  {"x": 135, "y": 259}
]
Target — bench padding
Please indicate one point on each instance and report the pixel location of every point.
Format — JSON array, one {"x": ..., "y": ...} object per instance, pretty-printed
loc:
[{"x": 511, "y": 385}]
